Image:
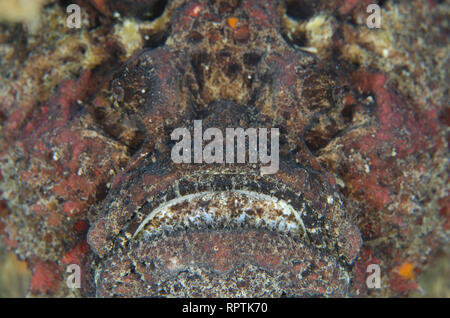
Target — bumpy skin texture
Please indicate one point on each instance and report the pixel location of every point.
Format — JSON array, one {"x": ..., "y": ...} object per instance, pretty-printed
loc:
[
  {"x": 87, "y": 166},
  {"x": 244, "y": 85}
]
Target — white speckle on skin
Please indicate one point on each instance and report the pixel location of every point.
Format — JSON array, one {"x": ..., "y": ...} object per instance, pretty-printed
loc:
[
  {"x": 241, "y": 218},
  {"x": 330, "y": 200},
  {"x": 394, "y": 152},
  {"x": 173, "y": 263}
]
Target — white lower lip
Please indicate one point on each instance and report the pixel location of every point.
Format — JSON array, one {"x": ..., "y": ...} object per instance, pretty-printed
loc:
[{"x": 274, "y": 214}]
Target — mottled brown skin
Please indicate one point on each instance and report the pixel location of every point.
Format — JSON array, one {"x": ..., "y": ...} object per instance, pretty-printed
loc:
[
  {"x": 99, "y": 150},
  {"x": 229, "y": 77}
]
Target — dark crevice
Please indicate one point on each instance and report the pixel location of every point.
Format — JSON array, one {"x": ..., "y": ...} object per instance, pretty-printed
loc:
[
  {"x": 101, "y": 192},
  {"x": 300, "y": 10},
  {"x": 298, "y": 39},
  {"x": 154, "y": 40},
  {"x": 348, "y": 112},
  {"x": 225, "y": 6},
  {"x": 381, "y": 2},
  {"x": 197, "y": 61},
  {"x": 146, "y": 10},
  {"x": 2, "y": 117},
  {"x": 251, "y": 60},
  {"x": 157, "y": 10}
]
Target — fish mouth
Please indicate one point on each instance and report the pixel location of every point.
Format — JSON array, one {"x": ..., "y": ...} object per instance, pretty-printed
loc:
[
  {"x": 237, "y": 243},
  {"x": 203, "y": 234},
  {"x": 224, "y": 210}
]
